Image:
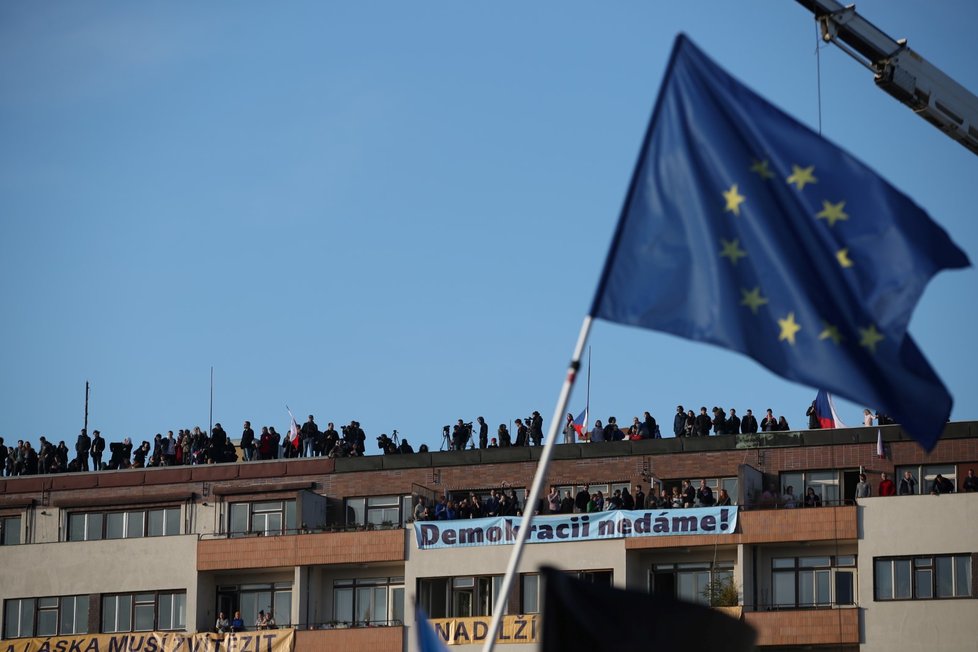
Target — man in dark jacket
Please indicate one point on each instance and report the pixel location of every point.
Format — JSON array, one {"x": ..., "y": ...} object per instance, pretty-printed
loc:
[
  {"x": 308, "y": 434},
  {"x": 679, "y": 422},
  {"x": 82, "y": 446},
  {"x": 703, "y": 423},
  {"x": 247, "y": 442},
  {"x": 583, "y": 496},
  {"x": 748, "y": 424},
  {"x": 733, "y": 423}
]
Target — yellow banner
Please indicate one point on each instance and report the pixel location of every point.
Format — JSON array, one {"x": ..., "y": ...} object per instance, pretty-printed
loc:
[
  {"x": 273, "y": 640},
  {"x": 465, "y": 631}
]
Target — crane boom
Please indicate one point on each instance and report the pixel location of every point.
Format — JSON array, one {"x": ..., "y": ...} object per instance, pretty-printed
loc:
[{"x": 900, "y": 71}]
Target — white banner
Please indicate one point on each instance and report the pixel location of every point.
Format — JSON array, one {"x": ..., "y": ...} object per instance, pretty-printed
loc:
[{"x": 615, "y": 524}]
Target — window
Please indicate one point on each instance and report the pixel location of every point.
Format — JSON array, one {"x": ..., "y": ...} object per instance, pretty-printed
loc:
[
  {"x": 530, "y": 590},
  {"x": 272, "y": 598},
  {"x": 266, "y": 518},
  {"x": 689, "y": 581},
  {"x": 9, "y": 530},
  {"x": 379, "y": 510},
  {"x": 925, "y": 474},
  {"x": 459, "y": 597},
  {"x": 144, "y": 612},
  {"x": 129, "y": 524},
  {"x": 819, "y": 581},
  {"x": 47, "y": 616},
  {"x": 369, "y": 601},
  {"x": 923, "y": 578},
  {"x": 824, "y": 483}
]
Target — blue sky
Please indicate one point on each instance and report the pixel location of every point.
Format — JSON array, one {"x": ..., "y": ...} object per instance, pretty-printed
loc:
[{"x": 392, "y": 212}]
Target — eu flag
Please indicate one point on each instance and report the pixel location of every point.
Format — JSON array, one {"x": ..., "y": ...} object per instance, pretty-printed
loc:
[{"x": 746, "y": 229}]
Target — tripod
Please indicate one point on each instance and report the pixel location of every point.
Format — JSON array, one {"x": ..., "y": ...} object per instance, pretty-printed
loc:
[{"x": 446, "y": 441}]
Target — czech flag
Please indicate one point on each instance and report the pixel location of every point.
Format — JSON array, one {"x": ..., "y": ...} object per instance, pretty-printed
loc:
[
  {"x": 580, "y": 425},
  {"x": 825, "y": 411}
]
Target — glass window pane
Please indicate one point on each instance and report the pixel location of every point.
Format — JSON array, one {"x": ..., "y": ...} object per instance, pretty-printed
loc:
[
  {"x": 283, "y": 608},
  {"x": 166, "y": 611},
  {"x": 813, "y": 562},
  {"x": 134, "y": 524},
  {"x": 364, "y": 605},
  {"x": 962, "y": 576},
  {"x": 81, "y": 614},
  {"x": 531, "y": 594},
  {"x": 108, "y": 614},
  {"x": 113, "y": 525},
  {"x": 27, "y": 617},
  {"x": 945, "y": 577},
  {"x": 267, "y": 506},
  {"x": 901, "y": 578},
  {"x": 11, "y": 531},
  {"x": 179, "y": 611},
  {"x": 845, "y": 560},
  {"x": 290, "y": 525},
  {"x": 343, "y": 605},
  {"x": 375, "y": 501},
  {"x": 380, "y": 605},
  {"x": 239, "y": 519},
  {"x": 144, "y": 617},
  {"x": 67, "y": 616},
  {"x": 155, "y": 526},
  {"x": 397, "y": 605},
  {"x": 172, "y": 527},
  {"x": 249, "y": 607},
  {"x": 923, "y": 583},
  {"x": 94, "y": 527},
  {"x": 783, "y": 562},
  {"x": 47, "y": 622},
  {"x": 825, "y": 483},
  {"x": 806, "y": 588},
  {"x": 884, "y": 579},
  {"x": 823, "y": 581},
  {"x": 844, "y": 589}
]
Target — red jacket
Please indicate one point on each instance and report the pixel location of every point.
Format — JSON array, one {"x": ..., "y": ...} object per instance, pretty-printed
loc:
[{"x": 887, "y": 488}]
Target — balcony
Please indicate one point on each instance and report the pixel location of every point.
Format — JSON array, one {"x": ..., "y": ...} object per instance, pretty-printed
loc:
[
  {"x": 361, "y": 639},
  {"x": 799, "y": 524},
  {"x": 767, "y": 526},
  {"x": 301, "y": 550},
  {"x": 805, "y": 626}
]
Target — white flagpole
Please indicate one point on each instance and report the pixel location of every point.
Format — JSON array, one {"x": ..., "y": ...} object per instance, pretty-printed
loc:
[{"x": 537, "y": 489}]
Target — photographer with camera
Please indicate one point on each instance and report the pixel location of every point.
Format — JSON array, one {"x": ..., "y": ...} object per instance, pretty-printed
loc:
[{"x": 461, "y": 435}]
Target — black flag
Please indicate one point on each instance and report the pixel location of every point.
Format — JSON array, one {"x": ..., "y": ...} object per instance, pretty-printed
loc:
[{"x": 583, "y": 616}]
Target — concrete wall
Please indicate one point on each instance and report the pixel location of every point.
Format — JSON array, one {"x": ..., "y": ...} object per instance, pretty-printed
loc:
[
  {"x": 917, "y": 525},
  {"x": 111, "y": 566}
]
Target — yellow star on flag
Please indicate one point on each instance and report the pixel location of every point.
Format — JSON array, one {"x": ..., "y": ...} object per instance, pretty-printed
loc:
[
  {"x": 734, "y": 199},
  {"x": 830, "y": 332},
  {"x": 842, "y": 255},
  {"x": 832, "y": 212},
  {"x": 762, "y": 169},
  {"x": 788, "y": 328},
  {"x": 870, "y": 337},
  {"x": 801, "y": 176},
  {"x": 752, "y": 299},
  {"x": 732, "y": 250}
]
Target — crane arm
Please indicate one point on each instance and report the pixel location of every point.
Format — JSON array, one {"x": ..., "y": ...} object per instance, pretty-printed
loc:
[{"x": 900, "y": 71}]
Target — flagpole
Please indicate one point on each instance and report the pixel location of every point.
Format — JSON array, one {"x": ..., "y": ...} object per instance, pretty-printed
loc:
[
  {"x": 210, "y": 416},
  {"x": 587, "y": 399},
  {"x": 537, "y": 489}
]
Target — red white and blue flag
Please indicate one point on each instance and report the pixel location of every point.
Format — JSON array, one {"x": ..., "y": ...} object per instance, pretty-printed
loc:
[
  {"x": 825, "y": 411},
  {"x": 293, "y": 430},
  {"x": 580, "y": 424}
]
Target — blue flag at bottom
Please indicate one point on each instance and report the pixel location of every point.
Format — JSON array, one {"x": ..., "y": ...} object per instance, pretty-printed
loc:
[
  {"x": 745, "y": 229},
  {"x": 428, "y": 639}
]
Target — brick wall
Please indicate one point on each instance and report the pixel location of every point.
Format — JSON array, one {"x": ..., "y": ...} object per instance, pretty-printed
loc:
[
  {"x": 361, "y": 639},
  {"x": 805, "y": 627}
]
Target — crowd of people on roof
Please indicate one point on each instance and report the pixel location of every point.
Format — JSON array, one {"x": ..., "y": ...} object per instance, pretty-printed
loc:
[{"x": 196, "y": 446}]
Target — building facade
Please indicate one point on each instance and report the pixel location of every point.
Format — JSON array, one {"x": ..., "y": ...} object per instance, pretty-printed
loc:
[{"x": 328, "y": 547}]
